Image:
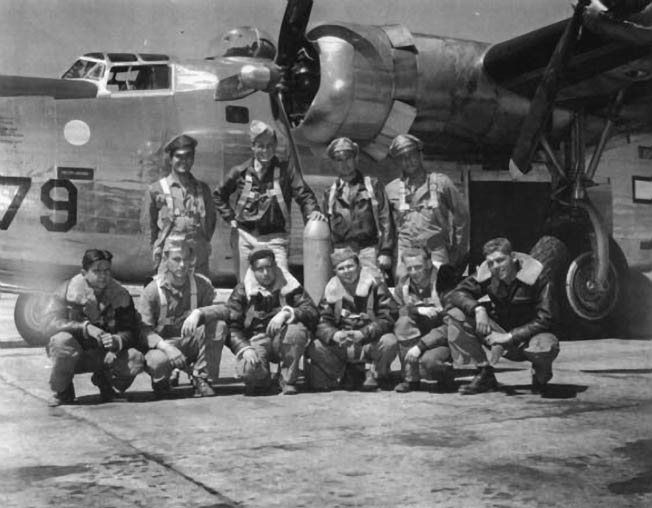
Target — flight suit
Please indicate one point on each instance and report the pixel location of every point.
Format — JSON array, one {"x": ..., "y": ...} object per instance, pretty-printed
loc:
[
  {"x": 373, "y": 311},
  {"x": 260, "y": 204},
  {"x": 251, "y": 307},
  {"x": 163, "y": 309},
  {"x": 423, "y": 219},
  {"x": 360, "y": 217},
  {"x": 73, "y": 351},
  {"x": 189, "y": 210},
  {"x": 522, "y": 308},
  {"x": 427, "y": 333}
]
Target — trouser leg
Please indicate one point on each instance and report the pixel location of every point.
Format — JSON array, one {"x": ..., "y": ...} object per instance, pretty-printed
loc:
[
  {"x": 407, "y": 333},
  {"x": 381, "y": 354},
  {"x": 279, "y": 246},
  {"x": 369, "y": 258},
  {"x": 194, "y": 349},
  {"x": 244, "y": 245},
  {"x": 434, "y": 364},
  {"x": 288, "y": 348},
  {"x": 203, "y": 253},
  {"x": 157, "y": 365},
  {"x": 541, "y": 351},
  {"x": 465, "y": 346},
  {"x": 126, "y": 367},
  {"x": 215, "y": 339},
  {"x": 65, "y": 353},
  {"x": 256, "y": 376},
  {"x": 326, "y": 365}
]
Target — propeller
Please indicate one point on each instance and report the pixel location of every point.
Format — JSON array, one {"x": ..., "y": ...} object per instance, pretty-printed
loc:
[
  {"x": 543, "y": 101},
  {"x": 260, "y": 74}
]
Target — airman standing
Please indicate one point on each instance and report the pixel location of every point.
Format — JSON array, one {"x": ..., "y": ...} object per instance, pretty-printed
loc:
[
  {"x": 255, "y": 200},
  {"x": 181, "y": 204},
  {"x": 358, "y": 210},
  {"x": 429, "y": 210}
]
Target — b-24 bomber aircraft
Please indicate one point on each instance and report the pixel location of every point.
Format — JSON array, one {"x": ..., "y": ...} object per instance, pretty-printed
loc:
[{"x": 77, "y": 153}]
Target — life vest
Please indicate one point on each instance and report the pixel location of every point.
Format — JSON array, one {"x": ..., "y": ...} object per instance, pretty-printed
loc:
[
  {"x": 163, "y": 318},
  {"x": 274, "y": 192},
  {"x": 433, "y": 199}
]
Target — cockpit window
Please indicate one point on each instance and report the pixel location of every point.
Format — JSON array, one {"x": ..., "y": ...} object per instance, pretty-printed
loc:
[
  {"x": 138, "y": 77},
  {"x": 85, "y": 69}
]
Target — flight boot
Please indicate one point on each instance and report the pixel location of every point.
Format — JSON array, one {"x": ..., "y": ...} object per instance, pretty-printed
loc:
[
  {"x": 370, "y": 383},
  {"x": 162, "y": 389},
  {"x": 107, "y": 393},
  {"x": 202, "y": 388},
  {"x": 484, "y": 381},
  {"x": 407, "y": 386},
  {"x": 65, "y": 397}
]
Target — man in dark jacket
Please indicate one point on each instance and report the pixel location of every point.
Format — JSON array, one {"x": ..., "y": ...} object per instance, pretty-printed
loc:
[
  {"x": 255, "y": 200},
  {"x": 94, "y": 328},
  {"x": 270, "y": 318},
  {"x": 421, "y": 332},
  {"x": 518, "y": 322},
  {"x": 356, "y": 321},
  {"x": 358, "y": 210}
]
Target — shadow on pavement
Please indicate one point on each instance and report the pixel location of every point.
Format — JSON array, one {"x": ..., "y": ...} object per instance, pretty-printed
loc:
[
  {"x": 617, "y": 371},
  {"x": 552, "y": 391}
]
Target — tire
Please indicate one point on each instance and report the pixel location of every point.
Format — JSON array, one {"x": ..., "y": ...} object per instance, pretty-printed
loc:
[
  {"x": 29, "y": 318},
  {"x": 587, "y": 312},
  {"x": 579, "y": 312}
]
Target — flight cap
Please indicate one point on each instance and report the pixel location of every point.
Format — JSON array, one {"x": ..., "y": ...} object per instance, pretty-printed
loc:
[
  {"x": 342, "y": 254},
  {"x": 404, "y": 143},
  {"x": 258, "y": 128},
  {"x": 342, "y": 145},
  {"x": 180, "y": 142}
]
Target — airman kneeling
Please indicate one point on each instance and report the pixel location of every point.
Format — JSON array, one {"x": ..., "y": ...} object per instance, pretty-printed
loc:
[
  {"x": 356, "y": 323},
  {"x": 94, "y": 328}
]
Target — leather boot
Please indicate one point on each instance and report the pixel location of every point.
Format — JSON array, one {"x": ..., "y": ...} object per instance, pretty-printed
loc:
[
  {"x": 407, "y": 386},
  {"x": 484, "y": 381},
  {"x": 65, "y": 397},
  {"x": 370, "y": 384}
]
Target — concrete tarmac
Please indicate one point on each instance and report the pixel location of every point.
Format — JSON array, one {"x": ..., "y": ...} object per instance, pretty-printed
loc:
[{"x": 587, "y": 445}]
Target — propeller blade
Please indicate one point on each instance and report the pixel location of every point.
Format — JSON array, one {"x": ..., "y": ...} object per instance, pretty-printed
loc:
[
  {"x": 544, "y": 97},
  {"x": 293, "y": 30},
  {"x": 231, "y": 89},
  {"x": 278, "y": 99}
]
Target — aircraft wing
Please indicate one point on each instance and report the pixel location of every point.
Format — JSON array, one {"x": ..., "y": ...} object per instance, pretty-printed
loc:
[
  {"x": 15, "y": 86},
  {"x": 602, "y": 63}
]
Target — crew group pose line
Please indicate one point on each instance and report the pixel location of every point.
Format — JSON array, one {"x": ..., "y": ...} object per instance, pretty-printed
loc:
[{"x": 433, "y": 322}]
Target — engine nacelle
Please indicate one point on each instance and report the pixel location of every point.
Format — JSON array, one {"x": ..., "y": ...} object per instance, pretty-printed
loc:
[{"x": 378, "y": 81}]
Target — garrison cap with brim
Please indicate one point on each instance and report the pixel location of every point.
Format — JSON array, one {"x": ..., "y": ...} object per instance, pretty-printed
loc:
[
  {"x": 180, "y": 142},
  {"x": 342, "y": 145},
  {"x": 258, "y": 128},
  {"x": 342, "y": 254},
  {"x": 404, "y": 143},
  {"x": 261, "y": 254}
]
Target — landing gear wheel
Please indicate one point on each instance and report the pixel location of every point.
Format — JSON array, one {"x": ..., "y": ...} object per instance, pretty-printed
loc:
[
  {"x": 584, "y": 295},
  {"x": 29, "y": 318}
]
